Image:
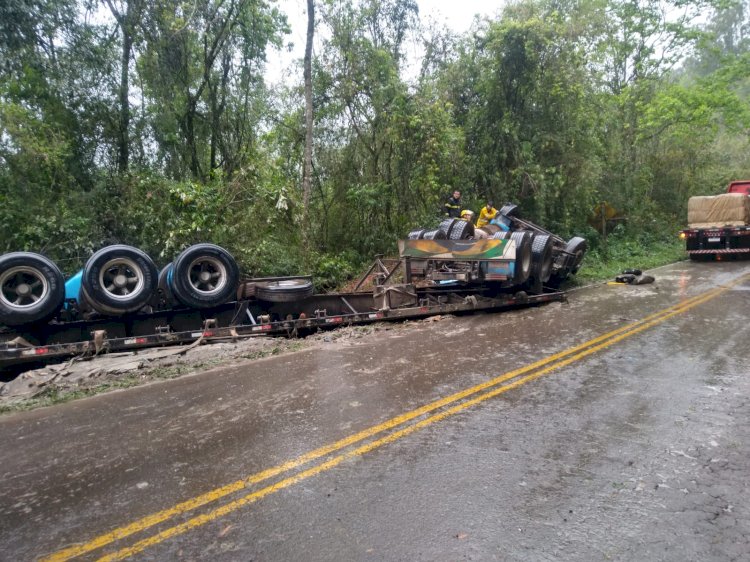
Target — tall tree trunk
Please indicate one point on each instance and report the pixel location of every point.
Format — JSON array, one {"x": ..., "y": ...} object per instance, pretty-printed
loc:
[
  {"x": 123, "y": 149},
  {"x": 307, "y": 165},
  {"x": 127, "y": 18}
]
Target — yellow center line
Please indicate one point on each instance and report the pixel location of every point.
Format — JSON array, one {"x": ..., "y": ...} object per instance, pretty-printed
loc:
[
  {"x": 253, "y": 497},
  {"x": 221, "y": 492}
]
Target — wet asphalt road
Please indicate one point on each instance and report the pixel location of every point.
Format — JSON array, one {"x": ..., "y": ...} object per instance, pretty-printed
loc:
[{"x": 636, "y": 451}]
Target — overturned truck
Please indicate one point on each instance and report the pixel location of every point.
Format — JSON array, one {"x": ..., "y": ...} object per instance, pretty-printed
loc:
[
  {"x": 120, "y": 301},
  {"x": 510, "y": 253}
]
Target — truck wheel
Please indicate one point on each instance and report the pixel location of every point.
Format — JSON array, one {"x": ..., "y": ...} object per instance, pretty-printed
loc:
[
  {"x": 576, "y": 246},
  {"x": 416, "y": 234},
  {"x": 510, "y": 210},
  {"x": 502, "y": 235},
  {"x": 434, "y": 235},
  {"x": 522, "y": 238},
  {"x": 462, "y": 230},
  {"x": 447, "y": 226},
  {"x": 541, "y": 257},
  {"x": 32, "y": 289},
  {"x": 118, "y": 279},
  {"x": 285, "y": 290},
  {"x": 204, "y": 276},
  {"x": 164, "y": 286}
]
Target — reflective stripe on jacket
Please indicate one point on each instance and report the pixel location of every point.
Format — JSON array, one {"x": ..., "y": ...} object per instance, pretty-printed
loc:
[{"x": 453, "y": 208}]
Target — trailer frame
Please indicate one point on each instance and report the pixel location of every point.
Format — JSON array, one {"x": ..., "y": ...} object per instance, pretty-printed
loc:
[{"x": 248, "y": 318}]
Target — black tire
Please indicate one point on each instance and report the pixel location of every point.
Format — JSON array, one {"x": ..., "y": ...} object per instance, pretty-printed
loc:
[
  {"x": 541, "y": 257},
  {"x": 416, "y": 234},
  {"x": 286, "y": 290},
  {"x": 576, "y": 246},
  {"x": 164, "y": 286},
  {"x": 204, "y": 276},
  {"x": 510, "y": 210},
  {"x": 462, "y": 230},
  {"x": 522, "y": 238},
  {"x": 434, "y": 235},
  {"x": 32, "y": 289},
  {"x": 502, "y": 235},
  {"x": 119, "y": 279},
  {"x": 447, "y": 226}
]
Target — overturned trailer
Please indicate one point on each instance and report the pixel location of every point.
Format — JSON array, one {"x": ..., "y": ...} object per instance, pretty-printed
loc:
[
  {"x": 251, "y": 316},
  {"x": 120, "y": 301}
]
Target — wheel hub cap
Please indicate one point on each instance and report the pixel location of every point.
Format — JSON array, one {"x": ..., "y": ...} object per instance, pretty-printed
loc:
[
  {"x": 120, "y": 280},
  {"x": 23, "y": 290}
]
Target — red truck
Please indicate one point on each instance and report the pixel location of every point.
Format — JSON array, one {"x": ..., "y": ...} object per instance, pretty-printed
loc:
[{"x": 719, "y": 226}]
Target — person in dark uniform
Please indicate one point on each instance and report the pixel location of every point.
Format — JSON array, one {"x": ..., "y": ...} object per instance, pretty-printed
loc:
[{"x": 453, "y": 205}]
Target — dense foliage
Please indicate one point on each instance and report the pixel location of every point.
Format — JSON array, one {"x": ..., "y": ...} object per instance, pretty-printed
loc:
[{"x": 149, "y": 123}]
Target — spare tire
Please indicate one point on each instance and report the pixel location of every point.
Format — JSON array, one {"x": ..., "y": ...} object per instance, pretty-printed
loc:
[
  {"x": 461, "y": 230},
  {"x": 204, "y": 276},
  {"x": 32, "y": 289},
  {"x": 285, "y": 290},
  {"x": 541, "y": 257},
  {"x": 118, "y": 279},
  {"x": 522, "y": 238}
]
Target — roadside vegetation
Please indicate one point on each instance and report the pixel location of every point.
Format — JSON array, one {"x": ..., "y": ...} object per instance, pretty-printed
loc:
[{"x": 150, "y": 124}]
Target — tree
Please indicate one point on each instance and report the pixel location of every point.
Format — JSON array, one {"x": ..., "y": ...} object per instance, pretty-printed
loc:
[
  {"x": 128, "y": 16},
  {"x": 307, "y": 164}
]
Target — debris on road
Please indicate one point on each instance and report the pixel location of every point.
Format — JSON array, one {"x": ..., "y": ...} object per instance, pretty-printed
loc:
[
  {"x": 633, "y": 277},
  {"x": 120, "y": 370}
]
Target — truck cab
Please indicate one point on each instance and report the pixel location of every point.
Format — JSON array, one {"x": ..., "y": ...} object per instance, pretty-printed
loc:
[{"x": 741, "y": 186}]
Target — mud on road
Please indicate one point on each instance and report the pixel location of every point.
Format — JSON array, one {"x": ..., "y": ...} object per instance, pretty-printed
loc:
[{"x": 88, "y": 376}]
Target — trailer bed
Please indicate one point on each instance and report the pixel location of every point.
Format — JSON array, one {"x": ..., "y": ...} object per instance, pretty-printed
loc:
[{"x": 249, "y": 318}]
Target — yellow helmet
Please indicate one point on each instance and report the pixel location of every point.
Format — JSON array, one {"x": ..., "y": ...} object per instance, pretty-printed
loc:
[{"x": 467, "y": 214}]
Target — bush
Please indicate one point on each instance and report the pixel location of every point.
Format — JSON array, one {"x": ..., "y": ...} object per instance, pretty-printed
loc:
[{"x": 332, "y": 271}]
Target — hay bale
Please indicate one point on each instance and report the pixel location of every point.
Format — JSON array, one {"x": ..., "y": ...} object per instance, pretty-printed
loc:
[{"x": 728, "y": 209}]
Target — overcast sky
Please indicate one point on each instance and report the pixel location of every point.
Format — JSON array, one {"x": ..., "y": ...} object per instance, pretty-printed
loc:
[{"x": 455, "y": 14}]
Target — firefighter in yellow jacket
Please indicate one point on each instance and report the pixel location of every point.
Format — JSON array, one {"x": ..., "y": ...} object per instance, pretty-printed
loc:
[{"x": 487, "y": 213}]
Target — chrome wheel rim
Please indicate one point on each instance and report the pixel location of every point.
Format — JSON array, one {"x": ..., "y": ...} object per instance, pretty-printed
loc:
[
  {"x": 207, "y": 275},
  {"x": 22, "y": 287},
  {"x": 121, "y": 279}
]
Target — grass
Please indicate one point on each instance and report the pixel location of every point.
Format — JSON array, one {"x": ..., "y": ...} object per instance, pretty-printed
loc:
[{"x": 608, "y": 261}]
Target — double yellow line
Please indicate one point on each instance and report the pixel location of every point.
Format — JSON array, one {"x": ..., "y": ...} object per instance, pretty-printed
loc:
[{"x": 458, "y": 402}]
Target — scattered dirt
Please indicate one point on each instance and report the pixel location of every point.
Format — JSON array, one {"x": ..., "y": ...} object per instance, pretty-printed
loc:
[{"x": 82, "y": 377}]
